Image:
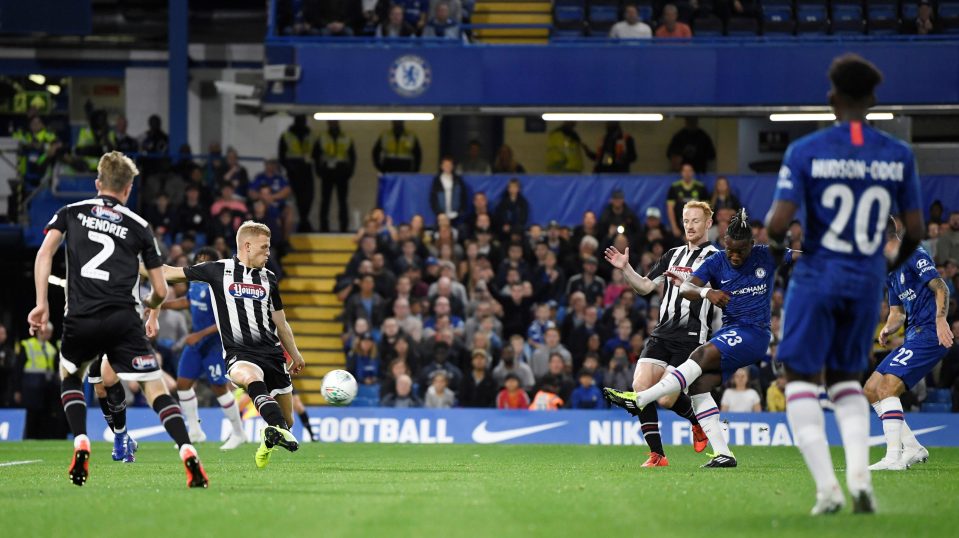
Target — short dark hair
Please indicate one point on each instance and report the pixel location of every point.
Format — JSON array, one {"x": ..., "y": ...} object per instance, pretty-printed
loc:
[
  {"x": 739, "y": 228},
  {"x": 209, "y": 253},
  {"x": 853, "y": 76}
]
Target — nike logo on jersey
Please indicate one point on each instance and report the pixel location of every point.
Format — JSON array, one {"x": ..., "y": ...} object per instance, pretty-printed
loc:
[
  {"x": 483, "y": 436},
  {"x": 725, "y": 281}
]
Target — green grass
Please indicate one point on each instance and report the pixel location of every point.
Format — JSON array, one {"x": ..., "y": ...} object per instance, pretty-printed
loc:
[{"x": 455, "y": 490}]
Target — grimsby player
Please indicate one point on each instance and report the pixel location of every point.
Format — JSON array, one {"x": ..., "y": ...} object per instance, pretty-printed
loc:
[
  {"x": 203, "y": 357},
  {"x": 249, "y": 314},
  {"x": 683, "y": 326},
  {"x": 847, "y": 179},
  {"x": 742, "y": 279},
  {"x": 918, "y": 298},
  {"x": 104, "y": 242}
]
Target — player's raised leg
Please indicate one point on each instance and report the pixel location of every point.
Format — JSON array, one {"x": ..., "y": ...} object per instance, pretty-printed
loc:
[{"x": 250, "y": 377}]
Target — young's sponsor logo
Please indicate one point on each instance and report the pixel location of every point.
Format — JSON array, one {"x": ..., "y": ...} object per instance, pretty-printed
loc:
[
  {"x": 106, "y": 213},
  {"x": 241, "y": 290}
]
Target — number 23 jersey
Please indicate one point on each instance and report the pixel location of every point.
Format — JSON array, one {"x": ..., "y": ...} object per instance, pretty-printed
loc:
[
  {"x": 849, "y": 178},
  {"x": 105, "y": 241}
]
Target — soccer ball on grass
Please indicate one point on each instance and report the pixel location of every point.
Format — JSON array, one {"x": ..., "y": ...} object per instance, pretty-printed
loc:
[{"x": 339, "y": 387}]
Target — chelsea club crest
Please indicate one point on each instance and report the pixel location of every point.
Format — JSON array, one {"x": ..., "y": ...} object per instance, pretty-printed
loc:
[
  {"x": 760, "y": 272},
  {"x": 410, "y": 75}
]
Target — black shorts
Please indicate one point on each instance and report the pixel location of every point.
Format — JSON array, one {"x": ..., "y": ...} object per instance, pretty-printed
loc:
[
  {"x": 667, "y": 352},
  {"x": 273, "y": 366},
  {"x": 119, "y": 335}
]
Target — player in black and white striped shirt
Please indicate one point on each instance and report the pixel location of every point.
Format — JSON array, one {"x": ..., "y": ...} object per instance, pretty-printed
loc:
[
  {"x": 683, "y": 324},
  {"x": 249, "y": 315}
]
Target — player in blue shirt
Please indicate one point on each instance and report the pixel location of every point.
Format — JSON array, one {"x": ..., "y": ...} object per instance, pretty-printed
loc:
[
  {"x": 742, "y": 285},
  {"x": 918, "y": 298},
  {"x": 203, "y": 357},
  {"x": 847, "y": 179}
]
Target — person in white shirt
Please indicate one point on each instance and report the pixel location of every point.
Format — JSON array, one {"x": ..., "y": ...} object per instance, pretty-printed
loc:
[
  {"x": 740, "y": 398},
  {"x": 631, "y": 27}
]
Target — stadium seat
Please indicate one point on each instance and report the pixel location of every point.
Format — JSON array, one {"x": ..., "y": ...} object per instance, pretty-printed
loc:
[
  {"x": 811, "y": 18},
  {"x": 847, "y": 18},
  {"x": 778, "y": 18},
  {"x": 367, "y": 396},
  {"x": 949, "y": 17},
  {"x": 742, "y": 27},
  {"x": 936, "y": 408},
  {"x": 568, "y": 18},
  {"x": 708, "y": 26},
  {"x": 943, "y": 396},
  {"x": 910, "y": 10},
  {"x": 603, "y": 14},
  {"x": 882, "y": 17}
]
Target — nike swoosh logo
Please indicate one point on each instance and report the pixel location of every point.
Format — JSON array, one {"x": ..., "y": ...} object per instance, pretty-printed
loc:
[
  {"x": 484, "y": 437},
  {"x": 725, "y": 281},
  {"x": 137, "y": 434},
  {"x": 876, "y": 440}
]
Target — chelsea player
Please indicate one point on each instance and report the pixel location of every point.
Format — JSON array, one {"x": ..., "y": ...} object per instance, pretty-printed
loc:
[
  {"x": 847, "y": 178},
  {"x": 742, "y": 285},
  {"x": 918, "y": 298},
  {"x": 203, "y": 356}
]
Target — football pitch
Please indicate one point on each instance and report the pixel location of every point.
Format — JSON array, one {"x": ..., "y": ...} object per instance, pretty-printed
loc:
[{"x": 455, "y": 490}]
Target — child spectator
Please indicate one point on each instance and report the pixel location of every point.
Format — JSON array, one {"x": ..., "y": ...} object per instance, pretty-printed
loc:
[
  {"x": 363, "y": 360},
  {"x": 536, "y": 335},
  {"x": 512, "y": 396},
  {"x": 439, "y": 396},
  {"x": 587, "y": 394},
  {"x": 546, "y": 398},
  {"x": 740, "y": 398}
]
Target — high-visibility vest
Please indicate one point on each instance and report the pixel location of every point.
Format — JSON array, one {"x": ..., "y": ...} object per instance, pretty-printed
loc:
[
  {"x": 397, "y": 148},
  {"x": 546, "y": 401},
  {"x": 86, "y": 138},
  {"x": 41, "y": 357},
  {"x": 38, "y": 144},
  {"x": 335, "y": 150},
  {"x": 563, "y": 154},
  {"x": 296, "y": 147}
]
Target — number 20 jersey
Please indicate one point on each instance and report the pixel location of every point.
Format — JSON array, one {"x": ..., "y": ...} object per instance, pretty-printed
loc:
[
  {"x": 105, "y": 241},
  {"x": 849, "y": 178}
]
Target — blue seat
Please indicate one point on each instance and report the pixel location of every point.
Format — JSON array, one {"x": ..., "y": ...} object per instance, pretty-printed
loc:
[
  {"x": 949, "y": 17},
  {"x": 645, "y": 13},
  {"x": 564, "y": 14},
  {"x": 777, "y": 13},
  {"x": 943, "y": 396},
  {"x": 936, "y": 408},
  {"x": 367, "y": 396},
  {"x": 602, "y": 17},
  {"x": 708, "y": 26},
  {"x": 811, "y": 13},
  {"x": 846, "y": 12},
  {"x": 882, "y": 17}
]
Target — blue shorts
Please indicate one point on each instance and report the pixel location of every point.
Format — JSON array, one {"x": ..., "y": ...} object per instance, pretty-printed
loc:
[
  {"x": 915, "y": 358},
  {"x": 823, "y": 330},
  {"x": 740, "y": 346},
  {"x": 204, "y": 359}
]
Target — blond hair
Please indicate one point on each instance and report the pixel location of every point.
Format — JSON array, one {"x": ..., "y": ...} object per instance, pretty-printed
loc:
[
  {"x": 250, "y": 228},
  {"x": 115, "y": 171},
  {"x": 697, "y": 204}
]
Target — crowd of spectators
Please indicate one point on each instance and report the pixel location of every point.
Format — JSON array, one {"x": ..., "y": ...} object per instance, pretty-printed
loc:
[
  {"x": 489, "y": 309},
  {"x": 435, "y": 19}
]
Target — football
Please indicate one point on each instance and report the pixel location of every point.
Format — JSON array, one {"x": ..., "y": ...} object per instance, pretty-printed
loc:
[{"x": 339, "y": 387}]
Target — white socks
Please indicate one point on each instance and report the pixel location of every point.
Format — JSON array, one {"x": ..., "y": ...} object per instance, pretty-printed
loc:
[
  {"x": 190, "y": 408},
  {"x": 852, "y": 416},
  {"x": 808, "y": 424},
  {"x": 674, "y": 381},
  {"x": 893, "y": 422},
  {"x": 707, "y": 413},
  {"x": 232, "y": 412}
]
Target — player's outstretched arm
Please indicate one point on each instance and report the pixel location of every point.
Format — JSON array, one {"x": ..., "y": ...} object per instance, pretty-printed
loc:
[
  {"x": 692, "y": 289},
  {"x": 938, "y": 285},
  {"x": 42, "y": 266},
  {"x": 158, "y": 295},
  {"x": 173, "y": 275},
  {"x": 620, "y": 260},
  {"x": 285, "y": 333},
  {"x": 894, "y": 322}
]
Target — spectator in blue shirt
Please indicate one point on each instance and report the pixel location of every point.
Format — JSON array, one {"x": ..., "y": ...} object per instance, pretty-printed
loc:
[
  {"x": 624, "y": 330},
  {"x": 363, "y": 360},
  {"x": 415, "y": 12},
  {"x": 587, "y": 395},
  {"x": 536, "y": 334},
  {"x": 276, "y": 197}
]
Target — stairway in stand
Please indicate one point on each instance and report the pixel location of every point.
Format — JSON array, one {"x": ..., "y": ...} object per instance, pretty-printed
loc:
[
  {"x": 311, "y": 306},
  {"x": 512, "y": 12}
]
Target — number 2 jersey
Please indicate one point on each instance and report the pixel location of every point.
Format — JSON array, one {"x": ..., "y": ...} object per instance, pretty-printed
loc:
[
  {"x": 849, "y": 178},
  {"x": 105, "y": 241}
]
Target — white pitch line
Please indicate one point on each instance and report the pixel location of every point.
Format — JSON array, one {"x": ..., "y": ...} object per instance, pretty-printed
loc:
[{"x": 12, "y": 463}]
